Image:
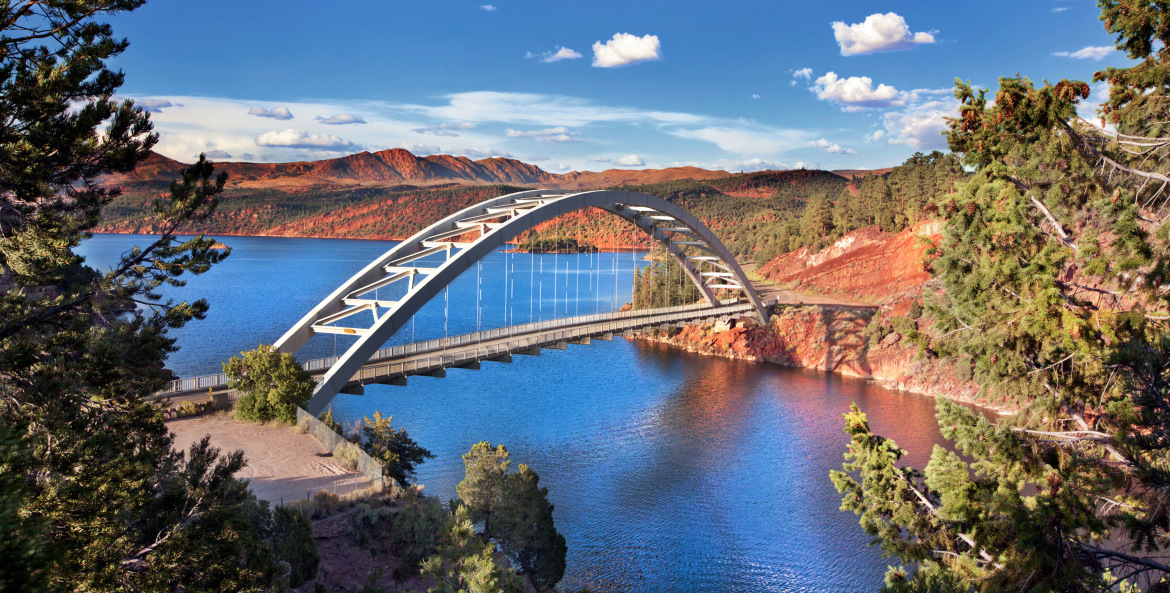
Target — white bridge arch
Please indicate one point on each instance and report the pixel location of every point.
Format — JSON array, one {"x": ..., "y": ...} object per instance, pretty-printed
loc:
[{"x": 496, "y": 222}]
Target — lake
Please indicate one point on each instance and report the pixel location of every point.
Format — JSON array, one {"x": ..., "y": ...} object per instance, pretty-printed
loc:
[{"x": 670, "y": 471}]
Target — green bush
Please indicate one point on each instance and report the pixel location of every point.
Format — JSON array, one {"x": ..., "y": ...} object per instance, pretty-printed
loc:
[
  {"x": 272, "y": 384},
  {"x": 292, "y": 540},
  {"x": 348, "y": 456},
  {"x": 416, "y": 531}
]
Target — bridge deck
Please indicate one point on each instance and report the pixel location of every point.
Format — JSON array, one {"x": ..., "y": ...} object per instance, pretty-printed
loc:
[{"x": 397, "y": 362}]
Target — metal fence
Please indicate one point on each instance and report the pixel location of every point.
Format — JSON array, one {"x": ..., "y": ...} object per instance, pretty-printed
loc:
[{"x": 586, "y": 325}]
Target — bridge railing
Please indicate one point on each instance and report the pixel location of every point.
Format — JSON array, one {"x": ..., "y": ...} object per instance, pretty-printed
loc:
[{"x": 439, "y": 344}]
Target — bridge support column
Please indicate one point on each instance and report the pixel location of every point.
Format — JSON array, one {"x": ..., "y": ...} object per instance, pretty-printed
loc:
[
  {"x": 437, "y": 373},
  {"x": 629, "y": 333},
  {"x": 534, "y": 351},
  {"x": 399, "y": 381},
  {"x": 471, "y": 366},
  {"x": 583, "y": 341},
  {"x": 506, "y": 359},
  {"x": 607, "y": 337},
  {"x": 357, "y": 389},
  {"x": 557, "y": 346}
]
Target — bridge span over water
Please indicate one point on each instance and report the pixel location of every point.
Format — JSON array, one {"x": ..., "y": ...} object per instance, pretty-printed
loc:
[{"x": 422, "y": 266}]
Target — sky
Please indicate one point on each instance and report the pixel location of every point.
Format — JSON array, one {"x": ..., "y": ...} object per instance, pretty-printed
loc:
[{"x": 738, "y": 86}]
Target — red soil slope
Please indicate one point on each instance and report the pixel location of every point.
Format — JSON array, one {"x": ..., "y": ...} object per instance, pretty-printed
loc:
[{"x": 865, "y": 265}]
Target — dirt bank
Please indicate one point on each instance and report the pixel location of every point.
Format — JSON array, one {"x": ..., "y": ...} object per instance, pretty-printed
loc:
[{"x": 282, "y": 463}]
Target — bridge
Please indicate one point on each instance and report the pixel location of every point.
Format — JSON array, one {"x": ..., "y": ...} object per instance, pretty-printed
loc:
[{"x": 458, "y": 242}]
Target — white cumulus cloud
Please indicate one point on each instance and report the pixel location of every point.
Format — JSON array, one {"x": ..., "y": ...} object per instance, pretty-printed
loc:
[
  {"x": 827, "y": 146},
  {"x": 291, "y": 138},
  {"x": 487, "y": 8},
  {"x": 557, "y": 134},
  {"x": 340, "y": 119},
  {"x": 1095, "y": 53},
  {"x": 631, "y": 160},
  {"x": 875, "y": 136},
  {"x": 879, "y": 32},
  {"x": 857, "y": 92},
  {"x": 805, "y": 73},
  {"x": 921, "y": 126},
  {"x": 275, "y": 113},
  {"x": 625, "y": 49}
]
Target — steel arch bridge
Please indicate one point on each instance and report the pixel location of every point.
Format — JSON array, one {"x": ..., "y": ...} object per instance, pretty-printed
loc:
[{"x": 474, "y": 232}]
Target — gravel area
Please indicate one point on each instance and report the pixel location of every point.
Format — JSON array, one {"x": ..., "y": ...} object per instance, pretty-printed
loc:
[{"x": 282, "y": 464}]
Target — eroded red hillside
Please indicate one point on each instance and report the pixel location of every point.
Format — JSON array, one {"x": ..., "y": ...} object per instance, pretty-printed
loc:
[{"x": 864, "y": 265}]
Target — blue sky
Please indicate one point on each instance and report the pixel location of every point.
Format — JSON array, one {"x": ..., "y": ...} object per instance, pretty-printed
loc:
[{"x": 588, "y": 85}]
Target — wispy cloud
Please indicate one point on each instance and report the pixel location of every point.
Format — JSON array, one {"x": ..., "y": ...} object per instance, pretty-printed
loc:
[
  {"x": 155, "y": 105},
  {"x": 217, "y": 154},
  {"x": 340, "y": 119},
  {"x": 1091, "y": 52},
  {"x": 879, "y": 32},
  {"x": 445, "y": 129},
  {"x": 274, "y": 113},
  {"x": 548, "y": 57},
  {"x": 558, "y": 134},
  {"x": 748, "y": 140},
  {"x": 625, "y": 49},
  {"x": 1060, "y": 9},
  {"x": 421, "y": 149},
  {"x": 487, "y": 7},
  {"x": 296, "y": 138},
  {"x": 542, "y": 110}
]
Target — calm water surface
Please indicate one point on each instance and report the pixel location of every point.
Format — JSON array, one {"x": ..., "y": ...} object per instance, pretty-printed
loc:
[{"x": 669, "y": 471}]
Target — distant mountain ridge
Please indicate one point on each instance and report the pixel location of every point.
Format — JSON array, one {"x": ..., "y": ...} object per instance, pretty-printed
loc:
[{"x": 396, "y": 167}]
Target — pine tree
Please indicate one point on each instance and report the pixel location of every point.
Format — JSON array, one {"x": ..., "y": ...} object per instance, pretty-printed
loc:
[
  {"x": 107, "y": 502},
  {"x": 1053, "y": 265}
]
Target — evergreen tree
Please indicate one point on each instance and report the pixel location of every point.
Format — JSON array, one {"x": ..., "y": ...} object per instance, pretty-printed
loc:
[
  {"x": 484, "y": 469},
  {"x": 523, "y": 525},
  {"x": 103, "y": 502},
  {"x": 1053, "y": 266},
  {"x": 399, "y": 453}
]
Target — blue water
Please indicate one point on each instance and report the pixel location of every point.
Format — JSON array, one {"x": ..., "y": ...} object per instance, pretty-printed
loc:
[{"x": 669, "y": 471}]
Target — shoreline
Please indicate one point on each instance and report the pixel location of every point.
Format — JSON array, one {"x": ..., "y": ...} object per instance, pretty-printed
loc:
[{"x": 897, "y": 367}]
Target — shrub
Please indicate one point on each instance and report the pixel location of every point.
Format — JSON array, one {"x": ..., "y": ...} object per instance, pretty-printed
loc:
[
  {"x": 348, "y": 456},
  {"x": 292, "y": 536},
  {"x": 415, "y": 532},
  {"x": 326, "y": 418},
  {"x": 188, "y": 408},
  {"x": 272, "y": 384}
]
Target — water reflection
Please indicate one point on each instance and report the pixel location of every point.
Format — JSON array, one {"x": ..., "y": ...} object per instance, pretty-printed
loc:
[{"x": 669, "y": 471}]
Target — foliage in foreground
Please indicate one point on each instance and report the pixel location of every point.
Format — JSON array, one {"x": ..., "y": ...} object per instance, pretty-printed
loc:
[
  {"x": 92, "y": 496},
  {"x": 515, "y": 512},
  {"x": 1054, "y": 266}
]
